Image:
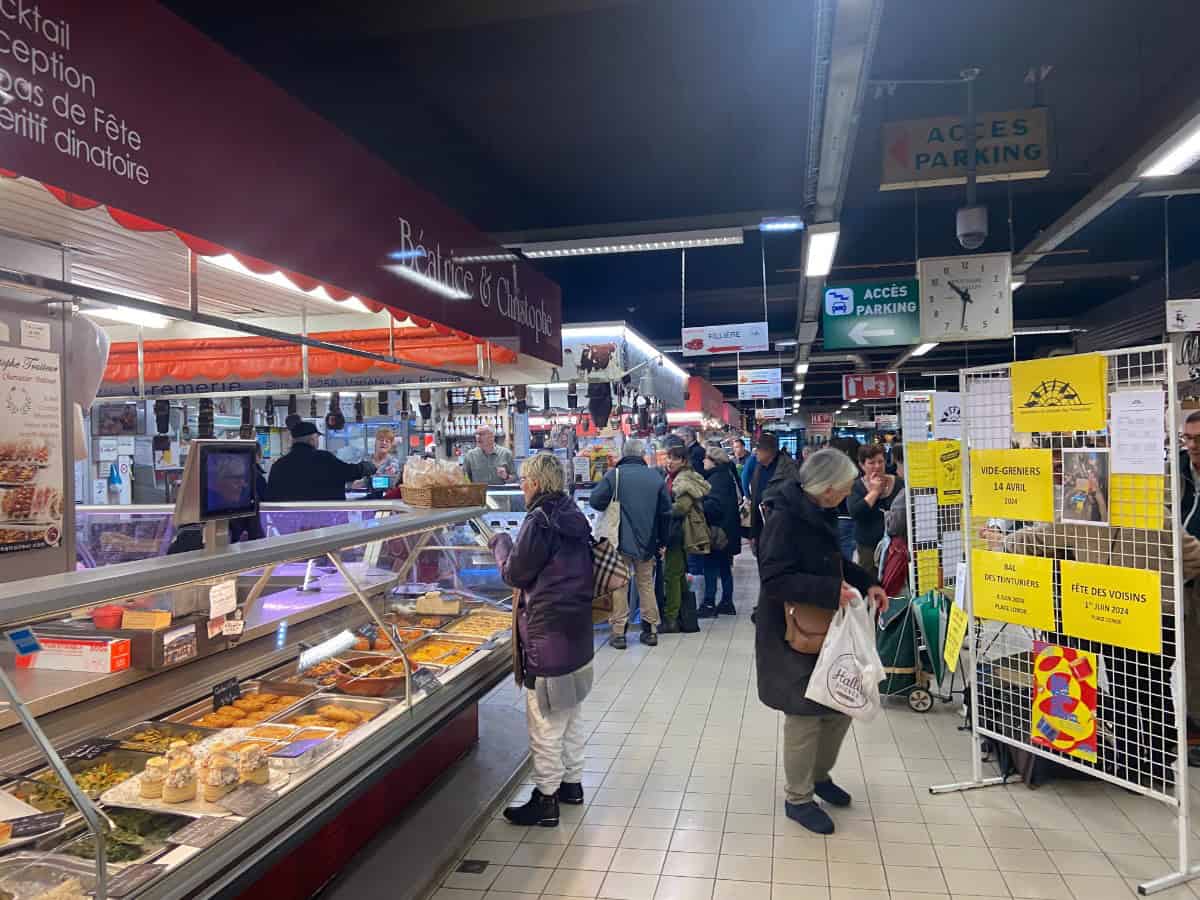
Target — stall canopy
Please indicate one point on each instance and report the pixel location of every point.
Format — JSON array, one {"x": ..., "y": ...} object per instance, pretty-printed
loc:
[{"x": 144, "y": 116}]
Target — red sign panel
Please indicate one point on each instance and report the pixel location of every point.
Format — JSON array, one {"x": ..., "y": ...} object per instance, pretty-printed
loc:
[
  {"x": 820, "y": 420},
  {"x": 128, "y": 105},
  {"x": 870, "y": 386}
]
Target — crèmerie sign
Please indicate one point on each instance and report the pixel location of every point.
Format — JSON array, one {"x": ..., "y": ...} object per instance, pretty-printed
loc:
[{"x": 933, "y": 152}]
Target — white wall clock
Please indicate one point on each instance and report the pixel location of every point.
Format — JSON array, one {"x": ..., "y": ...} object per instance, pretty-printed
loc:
[{"x": 966, "y": 298}]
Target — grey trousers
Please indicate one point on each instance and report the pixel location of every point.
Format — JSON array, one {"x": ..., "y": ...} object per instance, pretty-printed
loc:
[{"x": 810, "y": 750}]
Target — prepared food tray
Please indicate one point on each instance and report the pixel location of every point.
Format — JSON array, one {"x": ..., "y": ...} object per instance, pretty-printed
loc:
[
  {"x": 343, "y": 714},
  {"x": 129, "y": 794},
  {"x": 258, "y": 703},
  {"x": 383, "y": 643},
  {"x": 441, "y": 650},
  {"x": 31, "y": 503},
  {"x": 140, "y": 835},
  {"x": 480, "y": 623},
  {"x": 157, "y": 736},
  {"x": 32, "y": 876},
  {"x": 94, "y": 777},
  {"x": 372, "y": 676},
  {"x": 406, "y": 619}
]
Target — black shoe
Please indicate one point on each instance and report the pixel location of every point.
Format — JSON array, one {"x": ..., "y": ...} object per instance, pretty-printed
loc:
[
  {"x": 669, "y": 626},
  {"x": 831, "y": 793},
  {"x": 726, "y": 608},
  {"x": 571, "y": 792},
  {"x": 649, "y": 638},
  {"x": 540, "y": 810},
  {"x": 809, "y": 815},
  {"x": 707, "y": 610},
  {"x": 617, "y": 642}
]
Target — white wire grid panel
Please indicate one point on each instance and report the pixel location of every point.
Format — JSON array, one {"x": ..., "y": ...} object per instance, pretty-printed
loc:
[
  {"x": 1141, "y": 735},
  {"x": 934, "y": 531}
]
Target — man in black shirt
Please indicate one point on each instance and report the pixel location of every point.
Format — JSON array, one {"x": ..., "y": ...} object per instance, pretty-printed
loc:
[{"x": 306, "y": 473}]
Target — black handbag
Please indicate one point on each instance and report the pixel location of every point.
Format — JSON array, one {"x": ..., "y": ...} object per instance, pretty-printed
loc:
[{"x": 689, "y": 622}]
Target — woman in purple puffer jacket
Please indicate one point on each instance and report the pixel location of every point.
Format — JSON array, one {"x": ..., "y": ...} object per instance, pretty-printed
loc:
[{"x": 551, "y": 565}]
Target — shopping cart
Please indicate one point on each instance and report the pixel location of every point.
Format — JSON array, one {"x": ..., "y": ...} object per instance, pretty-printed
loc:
[{"x": 911, "y": 640}]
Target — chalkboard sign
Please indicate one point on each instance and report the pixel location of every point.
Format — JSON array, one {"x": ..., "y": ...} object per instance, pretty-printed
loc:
[
  {"x": 27, "y": 826},
  {"x": 130, "y": 879},
  {"x": 425, "y": 680},
  {"x": 90, "y": 749},
  {"x": 203, "y": 831},
  {"x": 225, "y": 692},
  {"x": 247, "y": 799}
]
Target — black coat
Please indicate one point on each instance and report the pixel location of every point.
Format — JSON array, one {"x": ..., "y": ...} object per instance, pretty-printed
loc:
[
  {"x": 783, "y": 469},
  {"x": 645, "y": 507},
  {"x": 305, "y": 473},
  {"x": 721, "y": 505},
  {"x": 1188, "y": 500},
  {"x": 868, "y": 520},
  {"x": 696, "y": 454},
  {"x": 798, "y": 560}
]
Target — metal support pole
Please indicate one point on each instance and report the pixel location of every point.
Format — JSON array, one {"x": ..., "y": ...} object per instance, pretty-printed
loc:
[
  {"x": 141, "y": 351},
  {"x": 969, "y": 75},
  {"x": 193, "y": 281},
  {"x": 304, "y": 348}
]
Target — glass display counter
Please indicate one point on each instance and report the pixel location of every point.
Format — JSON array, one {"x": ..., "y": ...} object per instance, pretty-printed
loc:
[{"x": 301, "y": 674}]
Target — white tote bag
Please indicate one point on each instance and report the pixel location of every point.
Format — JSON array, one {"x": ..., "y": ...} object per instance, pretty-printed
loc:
[
  {"x": 608, "y": 526},
  {"x": 848, "y": 671}
]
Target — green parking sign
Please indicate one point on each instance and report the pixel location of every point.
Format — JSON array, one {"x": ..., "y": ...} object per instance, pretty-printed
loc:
[{"x": 871, "y": 314}]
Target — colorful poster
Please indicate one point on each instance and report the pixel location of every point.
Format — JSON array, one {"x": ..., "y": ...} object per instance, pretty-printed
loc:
[
  {"x": 918, "y": 465},
  {"x": 31, "y": 463},
  {"x": 927, "y": 571},
  {"x": 948, "y": 471},
  {"x": 956, "y": 633},
  {"x": 1012, "y": 588},
  {"x": 1063, "y": 393},
  {"x": 1137, "y": 501},
  {"x": 1113, "y": 605},
  {"x": 1085, "y": 488},
  {"x": 1013, "y": 484},
  {"x": 1064, "y": 700}
]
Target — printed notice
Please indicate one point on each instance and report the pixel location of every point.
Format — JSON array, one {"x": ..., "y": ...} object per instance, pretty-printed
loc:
[
  {"x": 1139, "y": 432},
  {"x": 35, "y": 335},
  {"x": 1113, "y": 605},
  {"x": 1012, "y": 484},
  {"x": 31, "y": 462},
  {"x": 919, "y": 465},
  {"x": 927, "y": 571},
  {"x": 956, "y": 632},
  {"x": 1065, "y": 393},
  {"x": 948, "y": 471},
  {"x": 1012, "y": 588},
  {"x": 914, "y": 420}
]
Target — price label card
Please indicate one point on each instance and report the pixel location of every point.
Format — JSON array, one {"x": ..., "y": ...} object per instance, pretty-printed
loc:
[
  {"x": 233, "y": 627},
  {"x": 222, "y": 599},
  {"x": 248, "y": 799},
  {"x": 225, "y": 692},
  {"x": 28, "y": 826},
  {"x": 425, "y": 680},
  {"x": 203, "y": 831},
  {"x": 90, "y": 749},
  {"x": 129, "y": 880}
]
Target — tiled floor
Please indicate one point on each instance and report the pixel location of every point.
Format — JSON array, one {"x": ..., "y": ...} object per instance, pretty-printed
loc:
[{"x": 684, "y": 802}]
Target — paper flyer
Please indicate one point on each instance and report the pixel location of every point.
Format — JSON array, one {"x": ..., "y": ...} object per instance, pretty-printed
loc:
[
  {"x": 1139, "y": 432},
  {"x": 1064, "y": 700}
]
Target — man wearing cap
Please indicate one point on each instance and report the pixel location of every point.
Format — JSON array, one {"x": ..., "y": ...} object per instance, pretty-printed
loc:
[
  {"x": 770, "y": 465},
  {"x": 306, "y": 473}
]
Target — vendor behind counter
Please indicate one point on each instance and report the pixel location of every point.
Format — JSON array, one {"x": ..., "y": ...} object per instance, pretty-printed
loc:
[{"x": 305, "y": 473}]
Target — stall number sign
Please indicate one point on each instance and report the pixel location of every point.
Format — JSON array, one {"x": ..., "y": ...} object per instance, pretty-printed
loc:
[
  {"x": 1013, "y": 484},
  {"x": 871, "y": 314},
  {"x": 1012, "y": 588},
  {"x": 1112, "y": 605}
]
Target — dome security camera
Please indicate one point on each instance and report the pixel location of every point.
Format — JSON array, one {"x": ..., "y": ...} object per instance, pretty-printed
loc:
[{"x": 972, "y": 226}]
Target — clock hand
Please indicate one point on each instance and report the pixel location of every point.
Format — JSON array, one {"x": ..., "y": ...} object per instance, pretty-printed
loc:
[{"x": 958, "y": 290}]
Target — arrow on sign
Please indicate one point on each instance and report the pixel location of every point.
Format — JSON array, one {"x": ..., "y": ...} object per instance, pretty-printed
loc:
[{"x": 862, "y": 333}]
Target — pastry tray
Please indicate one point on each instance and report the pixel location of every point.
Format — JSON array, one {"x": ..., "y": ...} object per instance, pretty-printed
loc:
[
  {"x": 129, "y": 794},
  {"x": 201, "y": 707}
]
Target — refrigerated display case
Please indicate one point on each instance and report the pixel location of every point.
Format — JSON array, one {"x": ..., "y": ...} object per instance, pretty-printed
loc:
[{"x": 333, "y": 650}]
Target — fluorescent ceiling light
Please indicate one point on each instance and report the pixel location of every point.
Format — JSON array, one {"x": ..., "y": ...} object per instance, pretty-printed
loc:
[
  {"x": 781, "y": 223},
  {"x": 788, "y": 343},
  {"x": 1018, "y": 283},
  {"x": 820, "y": 249},
  {"x": 1176, "y": 155},
  {"x": 924, "y": 348},
  {"x": 230, "y": 263},
  {"x": 638, "y": 243},
  {"x": 1048, "y": 329},
  {"x": 485, "y": 258},
  {"x": 649, "y": 350},
  {"x": 128, "y": 316}
]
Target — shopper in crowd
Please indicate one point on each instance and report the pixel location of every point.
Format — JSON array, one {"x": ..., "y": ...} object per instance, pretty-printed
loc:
[
  {"x": 740, "y": 454},
  {"x": 641, "y": 493},
  {"x": 849, "y": 446},
  {"x": 689, "y": 531},
  {"x": 1189, "y": 470},
  {"x": 895, "y": 519},
  {"x": 694, "y": 448},
  {"x": 1189, "y": 515},
  {"x": 488, "y": 462},
  {"x": 799, "y": 564},
  {"x": 871, "y": 497},
  {"x": 384, "y": 457},
  {"x": 551, "y": 565},
  {"x": 721, "y": 511},
  {"x": 306, "y": 473},
  {"x": 770, "y": 465}
]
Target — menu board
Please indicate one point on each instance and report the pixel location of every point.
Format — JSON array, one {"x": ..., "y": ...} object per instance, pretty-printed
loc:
[{"x": 31, "y": 466}]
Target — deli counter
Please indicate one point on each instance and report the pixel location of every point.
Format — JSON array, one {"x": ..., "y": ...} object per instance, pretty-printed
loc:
[{"x": 294, "y": 692}]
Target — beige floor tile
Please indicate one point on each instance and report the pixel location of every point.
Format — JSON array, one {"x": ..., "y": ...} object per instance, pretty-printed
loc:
[
  {"x": 1012, "y": 838},
  {"x": 644, "y": 817},
  {"x": 742, "y": 890},
  {"x": 641, "y": 862},
  {"x": 625, "y": 886},
  {"x": 691, "y": 865},
  {"x": 788, "y": 892},
  {"x": 800, "y": 871},
  {"x": 1056, "y": 839},
  {"x": 706, "y": 802},
  {"x": 841, "y": 893},
  {"x": 585, "y": 857},
  {"x": 948, "y": 815},
  {"x": 674, "y": 887},
  {"x": 560, "y": 835},
  {"x": 857, "y": 875},
  {"x": 1098, "y": 887},
  {"x": 545, "y": 856},
  {"x": 471, "y": 881},
  {"x": 696, "y": 841},
  {"x": 495, "y": 852},
  {"x": 1083, "y": 862},
  {"x": 575, "y": 883},
  {"x": 749, "y": 823},
  {"x": 839, "y": 850},
  {"x": 918, "y": 895},
  {"x": 965, "y": 858},
  {"x": 748, "y": 844},
  {"x": 1025, "y": 860},
  {"x": 606, "y": 815},
  {"x": 915, "y": 878},
  {"x": 456, "y": 894},
  {"x": 522, "y": 879},
  {"x": 703, "y": 820},
  {"x": 984, "y": 883},
  {"x": 500, "y": 830},
  {"x": 743, "y": 868},
  {"x": 1141, "y": 867},
  {"x": 908, "y": 854},
  {"x": 902, "y": 832},
  {"x": 798, "y": 847},
  {"x": 896, "y": 812},
  {"x": 1036, "y": 885},
  {"x": 956, "y": 835},
  {"x": 637, "y": 838}
]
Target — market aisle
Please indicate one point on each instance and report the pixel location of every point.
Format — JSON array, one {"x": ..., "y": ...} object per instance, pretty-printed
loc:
[{"x": 683, "y": 788}]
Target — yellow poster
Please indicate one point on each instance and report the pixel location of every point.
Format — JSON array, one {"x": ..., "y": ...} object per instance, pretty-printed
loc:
[
  {"x": 1063, "y": 393},
  {"x": 1065, "y": 691},
  {"x": 927, "y": 571},
  {"x": 948, "y": 466},
  {"x": 1137, "y": 501},
  {"x": 1012, "y": 588},
  {"x": 918, "y": 465},
  {"x": 1013, "y": 484},
  {"x": 956, "y": 632},
  {"x": 1113, "y": 605}
]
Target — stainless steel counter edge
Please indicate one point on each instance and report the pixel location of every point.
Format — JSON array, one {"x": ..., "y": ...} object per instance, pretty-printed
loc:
[
  {"x": 247, "y": 852},
  {"x": 50, "y": 594}
]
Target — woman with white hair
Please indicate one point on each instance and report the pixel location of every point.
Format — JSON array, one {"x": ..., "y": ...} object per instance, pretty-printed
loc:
[
  {"x": 804, "y": 580},
  {"x": 551, "y": 565}
]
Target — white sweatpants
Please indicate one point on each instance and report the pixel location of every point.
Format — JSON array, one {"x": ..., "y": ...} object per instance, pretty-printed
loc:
[{"x": 556, "y": 744}]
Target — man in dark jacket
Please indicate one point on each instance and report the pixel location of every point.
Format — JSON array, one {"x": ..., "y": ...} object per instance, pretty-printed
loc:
[
  {"x": 772, "y": 465},
  {"x": 694, "y": 448},
  {"x": 721, "y": 509},
  {"x": 644, "y": 528},
  {"x": 800, "y": 564},
  {"x": 306, "y": 473}
]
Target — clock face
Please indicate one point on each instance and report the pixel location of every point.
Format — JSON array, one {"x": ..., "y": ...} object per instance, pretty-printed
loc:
[{"x": 966, "y": 298}]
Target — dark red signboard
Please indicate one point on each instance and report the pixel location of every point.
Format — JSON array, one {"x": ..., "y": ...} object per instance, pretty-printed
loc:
[
  {"x": 126, "y": 104},
  {"x": 869, "y": 386}
]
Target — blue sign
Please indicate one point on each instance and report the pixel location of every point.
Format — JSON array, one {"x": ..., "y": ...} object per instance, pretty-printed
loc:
[{"x": 24, "y": 640}]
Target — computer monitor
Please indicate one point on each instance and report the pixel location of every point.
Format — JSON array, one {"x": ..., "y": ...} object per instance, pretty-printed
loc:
[
  {"x": 219, "y": 482},
  {"x": 381, "y": 482}
]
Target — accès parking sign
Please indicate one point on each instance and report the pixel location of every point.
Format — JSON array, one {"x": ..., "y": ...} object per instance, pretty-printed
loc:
[{"x": 871, "y": 314}]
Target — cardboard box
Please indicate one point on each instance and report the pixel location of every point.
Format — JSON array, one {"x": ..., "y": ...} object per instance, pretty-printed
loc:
[{"x": 71, "y": 654}]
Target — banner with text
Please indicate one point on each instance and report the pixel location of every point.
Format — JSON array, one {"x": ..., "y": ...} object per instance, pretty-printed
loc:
[{"x": 710, "y": 340}]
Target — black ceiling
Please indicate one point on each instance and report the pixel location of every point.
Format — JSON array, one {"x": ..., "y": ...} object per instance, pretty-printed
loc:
[{"x": 535, "y": 114}]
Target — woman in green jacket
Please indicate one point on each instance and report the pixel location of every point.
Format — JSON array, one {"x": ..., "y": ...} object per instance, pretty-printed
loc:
[{"x": 689, "y": 531}]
